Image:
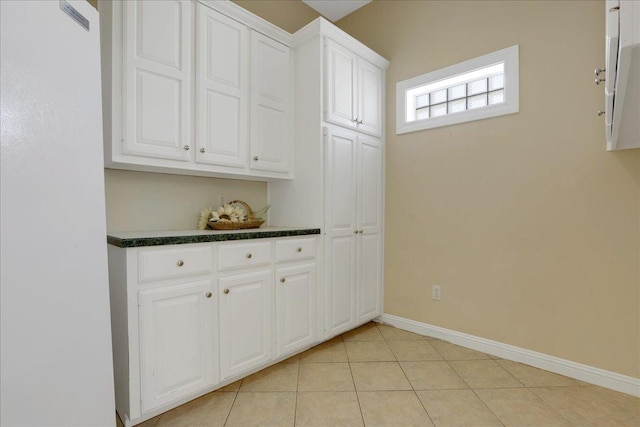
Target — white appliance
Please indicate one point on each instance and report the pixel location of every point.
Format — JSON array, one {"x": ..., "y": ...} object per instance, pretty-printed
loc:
[
  {"x": 56, "y": 361},
  {"x": 622, "y": 75}
]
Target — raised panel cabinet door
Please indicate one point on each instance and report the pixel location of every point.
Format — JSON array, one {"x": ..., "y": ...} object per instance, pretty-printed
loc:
[
  {"x": 295, "y": 307},
  {"x": 369, "y": 98},
  {"x": 341, "y": 228},
  {"x": 157, "y": 87},
  {"x": 222, "y": 89},
  {"x": 340, "y": 285},
  {"x": 370, "y": 204},
  {"x": 177, "y": 354},
  {"x": 369, "y": 187},
  {"x": 369, "y": 292},
  {"x": 271, "y": 112},
  {"x": 340, "y": 105},
  {"x": 246, "y": 334},
  {"x": 340, "y": 181}
]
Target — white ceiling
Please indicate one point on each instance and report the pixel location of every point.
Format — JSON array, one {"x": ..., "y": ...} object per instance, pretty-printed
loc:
[{"x": 335, "y": 9}]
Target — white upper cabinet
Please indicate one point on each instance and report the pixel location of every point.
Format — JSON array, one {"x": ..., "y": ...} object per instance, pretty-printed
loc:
[
  {"x": 271, "y": 124},
  {"x": 340, "y": 77},
  {"x": 157, "y": 86},
  {"x": 369, "y": 98},
  {"x": 353, "y": 96},
  {"x": 222, "y": 64},
  {"x": 196, "y": 88}
]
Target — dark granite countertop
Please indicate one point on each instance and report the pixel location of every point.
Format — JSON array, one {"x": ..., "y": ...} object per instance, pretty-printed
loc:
[{"x": 134, "y": 239}]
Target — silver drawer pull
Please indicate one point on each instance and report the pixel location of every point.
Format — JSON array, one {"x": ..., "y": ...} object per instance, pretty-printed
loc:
[
  {"x": 180, "y": 263},
  {"x": 249, "y": 255},
  {"x": 186, "y": 147},
  {"x": 208, "y": 294},
  {"x": 299, "y": 249},
  {"x": 256, "y": 158},
  {"x": 282, "y": 280},
  {"x": 226, "y": 291},
  {"x": 202, "y": 150}
]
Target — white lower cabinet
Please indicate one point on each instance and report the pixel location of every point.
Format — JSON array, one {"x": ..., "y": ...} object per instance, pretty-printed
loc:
[
  {"x": 176, "y": 341},
  {"x": 295, "y": 307},
  {"x": 246, "y": 331},
  {"x": 188, "y": 319}
]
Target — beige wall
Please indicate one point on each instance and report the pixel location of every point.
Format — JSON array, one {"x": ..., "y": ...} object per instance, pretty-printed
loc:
[
  {"x": 153, "y": 201},
  {"x": 529, "y": 226}
]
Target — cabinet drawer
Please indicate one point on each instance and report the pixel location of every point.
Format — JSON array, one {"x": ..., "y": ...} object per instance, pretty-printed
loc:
[
  {"x": 243, "y": 255},
  {"x": 172, "y": 263},
  {"x": 295, "y": 249}
]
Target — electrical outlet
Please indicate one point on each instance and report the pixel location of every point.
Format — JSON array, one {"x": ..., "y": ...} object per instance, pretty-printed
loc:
[{"x": 435, "y": 292}]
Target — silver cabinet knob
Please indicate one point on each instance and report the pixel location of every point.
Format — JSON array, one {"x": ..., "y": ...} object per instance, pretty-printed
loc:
[
  {"x": 355, "y": 232},
  {"x": 256, "y": 158},
  {"x": 355, "y": 120},
  {"x": 186, "y": 147},
  {"x": 202, "y": 150},
  {"x": 359, "y": 122},
  {"x": 249, "y": 256},
  {"x": 208, "y": 294},
  {"x": 282, "y": 280},
  {"x": 598, "y": 80},
  {"x": 226, "y": 291},
  {"x": 299, "y": 249},
  {"x": 597, "y": 71},
  {"x": 180, "y": 263},
  {"x": 361, "y": 231},
  {"x": 600, "y": 112}
]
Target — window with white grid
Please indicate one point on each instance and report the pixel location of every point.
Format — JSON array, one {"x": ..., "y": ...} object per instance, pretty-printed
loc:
[{"x": 480, "y": 88}]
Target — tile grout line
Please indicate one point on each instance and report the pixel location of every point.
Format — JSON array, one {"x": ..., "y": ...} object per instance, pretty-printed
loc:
[
  {"x": 226, "y": 419},
  {"x": 486, "y": 406},
  {"x": 295, "y": 408},
  {"x": 549, "y": 405},
  {"x": 357, "y": 395},
  {"x": 413, "y": 389}
]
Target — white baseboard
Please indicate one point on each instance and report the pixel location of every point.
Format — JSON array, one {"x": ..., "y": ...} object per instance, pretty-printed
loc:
[{"x": 589, "y": 374}]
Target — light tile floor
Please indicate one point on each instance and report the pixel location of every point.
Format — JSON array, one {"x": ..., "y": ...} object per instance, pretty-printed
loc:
[{"x": 377, "y": 375}]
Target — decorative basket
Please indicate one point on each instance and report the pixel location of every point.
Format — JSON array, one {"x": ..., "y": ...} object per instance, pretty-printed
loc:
[{"x": 251, "y": 221}]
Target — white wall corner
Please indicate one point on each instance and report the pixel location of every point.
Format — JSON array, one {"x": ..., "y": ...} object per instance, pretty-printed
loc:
[{"x": 589, "y": 374}]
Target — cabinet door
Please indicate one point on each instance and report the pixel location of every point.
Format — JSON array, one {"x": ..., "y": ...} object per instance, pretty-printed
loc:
[
  {"x": 295, "y": 307},
  {"x": 370, "y": 204},
  {"x": 369, "y": 98},
  {"x": 158, "y": 79},
  {"x": 222, "y": 90},
  {"x": 246, "y": 335},
  {"x": 341, "y": 85},
  {"x": 176, "y": 342},
  {"x": 369, "y": 276},
  {"x": 341, "y": 229},
  {"x": 271, "y": 118}
]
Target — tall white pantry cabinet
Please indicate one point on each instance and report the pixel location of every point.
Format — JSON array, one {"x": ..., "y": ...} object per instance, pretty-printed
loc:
[{"x": 338, "y": 168}]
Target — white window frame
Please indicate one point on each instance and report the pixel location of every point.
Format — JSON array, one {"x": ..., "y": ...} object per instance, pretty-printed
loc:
[{"x": 511, "y": 104}]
